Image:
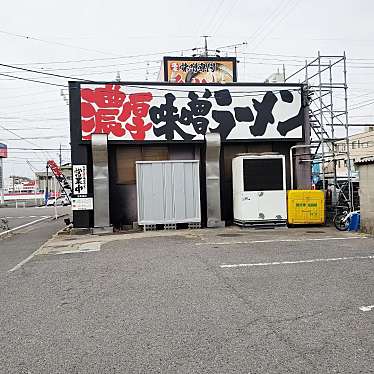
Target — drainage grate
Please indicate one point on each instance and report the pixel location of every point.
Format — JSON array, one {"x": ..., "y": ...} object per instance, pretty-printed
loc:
[{"x": 315, "y": 232}]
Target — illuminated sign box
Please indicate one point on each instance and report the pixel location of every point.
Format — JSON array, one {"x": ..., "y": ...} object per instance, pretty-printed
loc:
[
  {"x": 3, "y": 150},
  {"x": 199, "y": 69}
]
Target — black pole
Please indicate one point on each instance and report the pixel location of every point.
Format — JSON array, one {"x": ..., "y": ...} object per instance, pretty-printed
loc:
[{"x": 46, "y": 185}]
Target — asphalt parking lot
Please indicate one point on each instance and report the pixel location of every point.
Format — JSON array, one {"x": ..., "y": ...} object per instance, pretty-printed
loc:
[
  {"x": 20, "y": 216},
  {"x": 201, "y": 301}
]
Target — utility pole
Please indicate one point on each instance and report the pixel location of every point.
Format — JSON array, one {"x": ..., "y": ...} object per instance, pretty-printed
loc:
[
  {"x": 60, "y": 157},
  {"x": 46, "y": 185},
  {"x": 147, "y": 71},
  {"x": 1, "y": 182},
  {"x": 205, "y": 45}
]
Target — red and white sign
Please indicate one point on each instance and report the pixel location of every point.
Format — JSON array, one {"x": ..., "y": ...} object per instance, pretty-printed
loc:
[
  {"x": 187, "y": 113},
  {"x": 55, "y": 168}
]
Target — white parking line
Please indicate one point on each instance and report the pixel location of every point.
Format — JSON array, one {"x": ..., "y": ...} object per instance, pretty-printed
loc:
[
  {"x": 366, "y": 308},
  {"x": 283, "y": 240},
  {"x": 68, "y": 252},
  {"x": 23, "y": 226},
  {"x": 298, "y": 262},
  {"x": 23, "y": 262},
  {"x": 20, "y": 217},
  {"x": 83, "y": 248}
]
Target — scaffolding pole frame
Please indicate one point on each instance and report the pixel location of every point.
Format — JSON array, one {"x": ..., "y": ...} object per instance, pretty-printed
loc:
[{"x": 323, "y": 77}]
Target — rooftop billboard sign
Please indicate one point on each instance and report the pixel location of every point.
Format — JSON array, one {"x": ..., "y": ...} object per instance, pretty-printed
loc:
[
  {"x": 199, "y": 69},
  {"x": 3, "y": 150}
]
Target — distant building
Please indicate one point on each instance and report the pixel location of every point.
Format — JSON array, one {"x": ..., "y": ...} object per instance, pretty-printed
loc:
[
  {"x": 276, "y": 78},
  {"x": 41, "y": 177},
  {"x": 361, "y": 147},
  {"x": 19, "y": 184}
]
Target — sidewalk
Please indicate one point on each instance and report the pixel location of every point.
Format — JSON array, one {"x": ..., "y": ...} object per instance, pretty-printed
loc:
[{"x": 64, "y": 244}]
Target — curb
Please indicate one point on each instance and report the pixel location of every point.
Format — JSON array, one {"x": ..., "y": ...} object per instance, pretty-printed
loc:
[{"x": 61, "y": 215}]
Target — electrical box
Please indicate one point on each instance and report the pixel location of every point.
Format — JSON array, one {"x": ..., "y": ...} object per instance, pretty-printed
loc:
[
  {"x": 168, "y": 192},
  {"x": 306, "y": 207},
  {"x": 259, "y": 189}
]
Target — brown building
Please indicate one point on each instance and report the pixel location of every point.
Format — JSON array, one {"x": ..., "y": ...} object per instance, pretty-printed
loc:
[
  {"x": 115, "y": 124},
  {"x": 366, "y": 174}
]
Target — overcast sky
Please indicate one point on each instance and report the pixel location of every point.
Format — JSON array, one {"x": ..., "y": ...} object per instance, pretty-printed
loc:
[{"x": 132, "y": 36}]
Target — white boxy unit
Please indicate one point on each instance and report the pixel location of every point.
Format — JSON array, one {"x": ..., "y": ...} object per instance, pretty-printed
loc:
[{"x": 259, "y": 189}]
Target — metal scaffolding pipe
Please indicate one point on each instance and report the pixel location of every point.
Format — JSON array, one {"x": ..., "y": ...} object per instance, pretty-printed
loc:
[
  {"x": 326, "y": 117},
  {"x": 334, "y": 195},
  {"x": 347, "y": 135},
  {"x": 321, "y": 120}
]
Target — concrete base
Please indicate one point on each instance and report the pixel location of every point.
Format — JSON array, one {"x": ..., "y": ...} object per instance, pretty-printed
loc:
[
  {"x": 211, "y": 224},
  {"x": 102, "y": 230},
  {"x": 259, "y": 224},
  {"x": 80, "y": 231}
]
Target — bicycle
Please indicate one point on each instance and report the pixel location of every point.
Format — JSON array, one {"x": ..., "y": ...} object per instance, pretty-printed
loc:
[
  {"x": 4, "y": 224},
  {"x": 343, "y": 218}
]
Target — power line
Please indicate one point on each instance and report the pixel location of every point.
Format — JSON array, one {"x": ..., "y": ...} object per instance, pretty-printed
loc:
[
  {"x": 363, "y": 116},
  {"x": 34, "y": 103},
  {"x": 301, "y": 58},
  {"x": 225, "y": 16},
  {"x": 269, "y": 19},
  {"x": 53, "y": 42},
  {"x": 16, "y": 150},
  {"x": 19, "y": 136},
  {"x": 33, "y": 80},
  {"x": 362, "y": 106},
  {"x": 46, "y": 110},
  {"x": 40, "y": 149},
  {"x": 105, "y": 58},
  {"x": 91, "y": 72},
  {"x": 211, "y": 21},
  {"x": 97, "y": 66},
  {"x": 247, "y": 93},
  {"x": 20, "y": 162},
  {"x": 32, "y": 129},
  {"x": 168, "y": 52},
  {"x": 33, "y": 119},
  {"x": 39, "y": 137},
  {"x": 279, "y": 21},
  {"x": 38, "y": 93},
  {"x": 362, "y": 102},
  {"x": 24, "y": 158},
  {"x": 42, "y": 72},
  {"x": 55, "y": 75}
]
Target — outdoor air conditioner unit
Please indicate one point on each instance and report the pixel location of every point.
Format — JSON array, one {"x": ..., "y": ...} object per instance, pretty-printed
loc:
[{"x": 259, "y": 189}]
